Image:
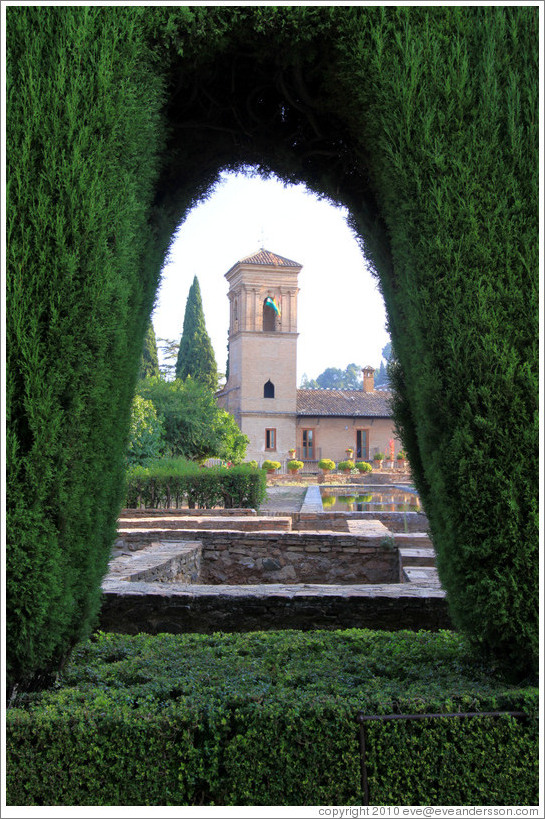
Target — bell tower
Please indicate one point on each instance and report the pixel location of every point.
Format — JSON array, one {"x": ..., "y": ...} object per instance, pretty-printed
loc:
[{"x": 261, "y": 391}]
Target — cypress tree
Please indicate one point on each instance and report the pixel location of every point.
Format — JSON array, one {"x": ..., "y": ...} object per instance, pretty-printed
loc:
[
  {"x": 149, "y": 365},
  {"x": 196, "y": 355}
]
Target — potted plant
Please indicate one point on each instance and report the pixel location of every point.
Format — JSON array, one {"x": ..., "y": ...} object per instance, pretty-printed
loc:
[
  {"x": 292, "y": 452},
  {"x": 270, "y": 466},
  {"x": 363, "y": 466},
  {"x": 349, "y": 453},
  {"x": 326, "y": 465},
  {"x": 378, "y": 458},
  {"x": 346, "y": 466},
  {"x": 294, "y": 466},
  {"x": 401, "y": 458}
]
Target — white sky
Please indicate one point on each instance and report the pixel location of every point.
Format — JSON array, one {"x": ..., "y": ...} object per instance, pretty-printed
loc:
[{"x": 341, "y": 316}]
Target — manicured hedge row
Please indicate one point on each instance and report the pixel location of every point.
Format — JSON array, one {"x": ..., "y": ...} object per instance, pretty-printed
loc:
[
  {"x": 269, "y": 719},
  {"x": 175, "y": 481}
]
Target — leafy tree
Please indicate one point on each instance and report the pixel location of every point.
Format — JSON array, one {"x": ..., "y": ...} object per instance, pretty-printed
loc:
[
  {"x": 308, "y": 383},
  {"x": 169, "y": 349},
  {"x": 331, "y": 379},
  {"x": 149, "y": 365},
  {"x": 353, "y": 377},
  {"x": 196, "y": 355},
  {"x": 334, "y": 378},
  {"x": 146, "y": 432},
  {"x": 194, "y": 426}
]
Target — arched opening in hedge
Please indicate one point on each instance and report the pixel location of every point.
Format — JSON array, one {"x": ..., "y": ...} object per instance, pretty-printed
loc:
[{"x": 421, "y": 122}]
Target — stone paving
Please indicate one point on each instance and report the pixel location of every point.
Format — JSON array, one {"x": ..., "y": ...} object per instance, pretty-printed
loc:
[
  {"x": 152, "y": 574},
  {"x": 284, "y": 499}
]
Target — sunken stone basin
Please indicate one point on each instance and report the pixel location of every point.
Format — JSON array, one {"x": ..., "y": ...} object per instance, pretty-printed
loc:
[{"x": 204, "y": 580}]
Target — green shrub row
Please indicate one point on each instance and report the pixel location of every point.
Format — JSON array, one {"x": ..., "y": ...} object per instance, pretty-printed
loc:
[
  {"x": 270, "y": 719},
  {"x": 175, "y": 482}
]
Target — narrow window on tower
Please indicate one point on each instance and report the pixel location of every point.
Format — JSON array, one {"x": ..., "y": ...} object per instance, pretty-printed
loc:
[
  {"x": 270, "y": 439},
  {"x": 268, "y": 389}
]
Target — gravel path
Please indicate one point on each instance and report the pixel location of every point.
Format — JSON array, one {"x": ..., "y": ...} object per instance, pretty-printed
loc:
[{"x": 283, "y": 499}]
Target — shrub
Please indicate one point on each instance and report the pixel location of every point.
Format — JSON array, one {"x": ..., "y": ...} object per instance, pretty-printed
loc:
[
  {"x": 259, "y": 719},
  {"x": 344, "y": 465},
  {"x": 363, "y": 466},
  {"x": 270, "y": 465},
  {"x": 243, "y": 487},
  {"x": 378, "y": 456},
  {"x": 293, "y": 466},
  {"x": 175, "y": 481},
  {"x": 326, "y": 463}
]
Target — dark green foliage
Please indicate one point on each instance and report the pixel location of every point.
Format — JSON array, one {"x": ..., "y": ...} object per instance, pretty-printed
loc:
[
  {"x": 149, "y": 365},
  {"x": 196, "y": 355},
  {"x": 195, "y": 427},
  {"x": 83, "y": 142},
  {"x": 421, "y": 121},
  {"x": 269, "y": 719},
  {"x": 174, "y": 481}
]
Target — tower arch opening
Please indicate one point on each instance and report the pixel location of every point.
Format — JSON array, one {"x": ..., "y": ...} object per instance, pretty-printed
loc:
[{"x": 269, "y": 316}]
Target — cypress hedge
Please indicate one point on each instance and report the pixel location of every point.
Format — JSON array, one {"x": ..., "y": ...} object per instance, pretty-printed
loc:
[
  {"x": 422, "y": 122},
  {"x": 270, "y": 719}
]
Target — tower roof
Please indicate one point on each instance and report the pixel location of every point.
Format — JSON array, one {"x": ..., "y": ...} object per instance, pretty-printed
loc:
[{"x": 265, "y": 257}]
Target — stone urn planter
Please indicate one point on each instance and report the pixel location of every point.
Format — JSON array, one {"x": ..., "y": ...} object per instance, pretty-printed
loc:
[
  {"x": 377, "y": 462},
  {"x": 270, "y": 466},
  {"x": 346, "y": 467},
  {"x": 326, "y": 465},
  {"x": 294, "y": 467}
]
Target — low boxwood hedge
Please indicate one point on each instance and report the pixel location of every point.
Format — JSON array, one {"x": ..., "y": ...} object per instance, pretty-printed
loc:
[
  {"x": 175, "y": 481},
  {"x": 269, "y": 718}
]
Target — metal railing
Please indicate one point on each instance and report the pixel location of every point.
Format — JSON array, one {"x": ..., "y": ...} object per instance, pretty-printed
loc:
[{"x": 362, "y": 719}]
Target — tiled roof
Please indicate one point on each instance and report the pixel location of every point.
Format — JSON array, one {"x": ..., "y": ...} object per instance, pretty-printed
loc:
[
  {"x": 344, "y": 403},
  {"x": 268, "y": 258}
]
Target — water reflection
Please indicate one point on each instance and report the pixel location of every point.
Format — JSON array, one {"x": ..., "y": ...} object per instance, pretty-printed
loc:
[{"x": 390, "y": 500}]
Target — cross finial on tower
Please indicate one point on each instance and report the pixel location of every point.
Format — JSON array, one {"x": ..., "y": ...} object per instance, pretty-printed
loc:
[{"x": 262, "y": 239}]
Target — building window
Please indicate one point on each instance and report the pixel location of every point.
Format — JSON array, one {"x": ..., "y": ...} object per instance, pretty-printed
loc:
[
  {"x": 268, "y": 389},
  {"x": 308, "y": 444},
  {"x": 270, "y": 439},
  {"x": 362, "y": 444},
  {"x": 269, "y": 315}
]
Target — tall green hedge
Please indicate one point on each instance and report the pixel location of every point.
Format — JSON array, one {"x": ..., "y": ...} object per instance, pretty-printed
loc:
[
  {"x": 422, "y": 121},
  {"x": 84, "y": 108},
  {"x": 173, "y": 482}
]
